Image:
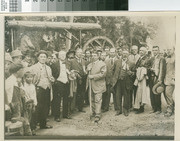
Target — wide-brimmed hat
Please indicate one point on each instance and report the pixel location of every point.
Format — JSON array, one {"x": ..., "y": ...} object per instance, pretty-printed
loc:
[
  {"x": 16, "y": 53},
  {"x": 158, "y": 88}
]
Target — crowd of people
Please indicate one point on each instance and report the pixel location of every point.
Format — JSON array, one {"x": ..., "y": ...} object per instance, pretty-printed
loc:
[{"x": 37, "y": 87}]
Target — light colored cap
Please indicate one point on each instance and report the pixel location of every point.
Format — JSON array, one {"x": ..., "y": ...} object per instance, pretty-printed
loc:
[
  {"x": 8, "y": 57},
  {"x": 16, "y": 53}
]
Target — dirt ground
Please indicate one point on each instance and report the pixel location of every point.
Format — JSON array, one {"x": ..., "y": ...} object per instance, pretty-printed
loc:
[{"x": 143, "y": 124}]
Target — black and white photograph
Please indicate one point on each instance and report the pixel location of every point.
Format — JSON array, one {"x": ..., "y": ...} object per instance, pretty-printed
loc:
[{"x": 89, "y": 77}]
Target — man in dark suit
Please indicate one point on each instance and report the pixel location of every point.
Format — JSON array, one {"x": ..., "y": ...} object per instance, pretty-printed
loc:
[
  {"x": 77, "y": 64},
  {"x": 60, "y": 71},
  {"x": 157, "y": 75},
  {"x": 109, "y": 75},
  {"x": 122, "y": 83},
  {"x": 86, "y": 61}
]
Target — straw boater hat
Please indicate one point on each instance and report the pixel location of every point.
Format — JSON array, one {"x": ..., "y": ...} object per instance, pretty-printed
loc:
[
  {"x": 16, "y": 53},
  {"x": 158, "y": 88}
]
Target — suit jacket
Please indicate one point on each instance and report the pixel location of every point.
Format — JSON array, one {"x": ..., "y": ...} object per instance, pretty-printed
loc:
[
  {"x": 170, "y": 71},
  {"x": 110, "y": 70},
  {"x": 144, "y": 62},
  {"x": 75, "y": 65},
  {"x": 56, "y": 68},
  {"x": 98, "y": 82},
  {"x": 36, "y": 69},
  {"x": 128, "y": 78},
  {"x": 161, "y": 70}
]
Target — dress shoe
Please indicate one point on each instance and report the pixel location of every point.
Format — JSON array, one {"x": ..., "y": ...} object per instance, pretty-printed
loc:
[
  {"x": 118, "y": 113},
  {"x": 96, "y": 119},
  {"x": 158, "y": 112},
  {"x": 33, "y": 132},
  {"x": 105, "y": 111},
  {"x": 46, "y": 127},
  {"x": 126, "y": 112},
  {"x": 57, "y": 119},
  {"x": 67, "y": 117},
  {"x": 82, "y": 111},
  {"x": 139, "y": 111},
  {"x": 168, "y": 114},
  {"x": 151, "y": 112}
]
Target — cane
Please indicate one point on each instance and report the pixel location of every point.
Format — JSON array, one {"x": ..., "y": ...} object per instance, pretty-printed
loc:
[{"x": 90, "y": 104}]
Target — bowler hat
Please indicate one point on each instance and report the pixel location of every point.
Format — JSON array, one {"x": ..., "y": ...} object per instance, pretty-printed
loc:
[{"x": 158, "y": 88}]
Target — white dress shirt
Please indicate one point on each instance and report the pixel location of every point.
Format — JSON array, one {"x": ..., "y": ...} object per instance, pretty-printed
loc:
[{"x": 63, "y": 73}]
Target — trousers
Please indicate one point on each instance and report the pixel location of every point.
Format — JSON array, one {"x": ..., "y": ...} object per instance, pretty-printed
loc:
[
  {"x": 106, "y": 98},
  {"x": 169, "y": 90},
  {"x": 61, "y": 91},
  {"x": 43, "y": 102},
  {"x": 96, "y": 102},
  {"x": 122, "y": 94},
  {"x": 155, "y": 98}
]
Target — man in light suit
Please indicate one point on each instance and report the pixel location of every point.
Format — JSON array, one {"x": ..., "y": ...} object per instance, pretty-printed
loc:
[
  {"x": 97, "y": 85},
  {"x": 60, "y": 71},
  {"x": 42, "y": 80},
  {"x": 157, "y": 74},
  {"x": 169, "y": 81}
]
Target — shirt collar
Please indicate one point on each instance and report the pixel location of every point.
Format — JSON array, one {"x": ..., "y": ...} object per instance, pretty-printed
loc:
[{"x": 41, "y": 65}]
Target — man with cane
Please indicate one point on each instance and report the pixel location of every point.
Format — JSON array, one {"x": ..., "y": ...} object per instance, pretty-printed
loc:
[{"x": 97, "y": 85}]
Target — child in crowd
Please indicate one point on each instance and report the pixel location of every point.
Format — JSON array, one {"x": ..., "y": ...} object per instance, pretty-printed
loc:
[{"x": 31, "y": 100}]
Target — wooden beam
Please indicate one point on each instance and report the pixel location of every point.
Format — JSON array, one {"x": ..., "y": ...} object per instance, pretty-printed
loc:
[{"x": 54, "y": 25}]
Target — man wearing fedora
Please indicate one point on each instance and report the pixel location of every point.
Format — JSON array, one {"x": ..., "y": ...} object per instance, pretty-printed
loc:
[
  {"x": 43, "y": 80},
  {"x": 169, "y": 81},
  {"x": 60, "y": 71},
  {"x": 157, "y": 74}
]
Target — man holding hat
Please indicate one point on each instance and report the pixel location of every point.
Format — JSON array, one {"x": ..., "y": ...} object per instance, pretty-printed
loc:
[
  {"x": 43, "y": 79},
  {"x": 16, "y": 56},
  {"x": 157, "y": 74},
  {"x": 77, "y": 65}
]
